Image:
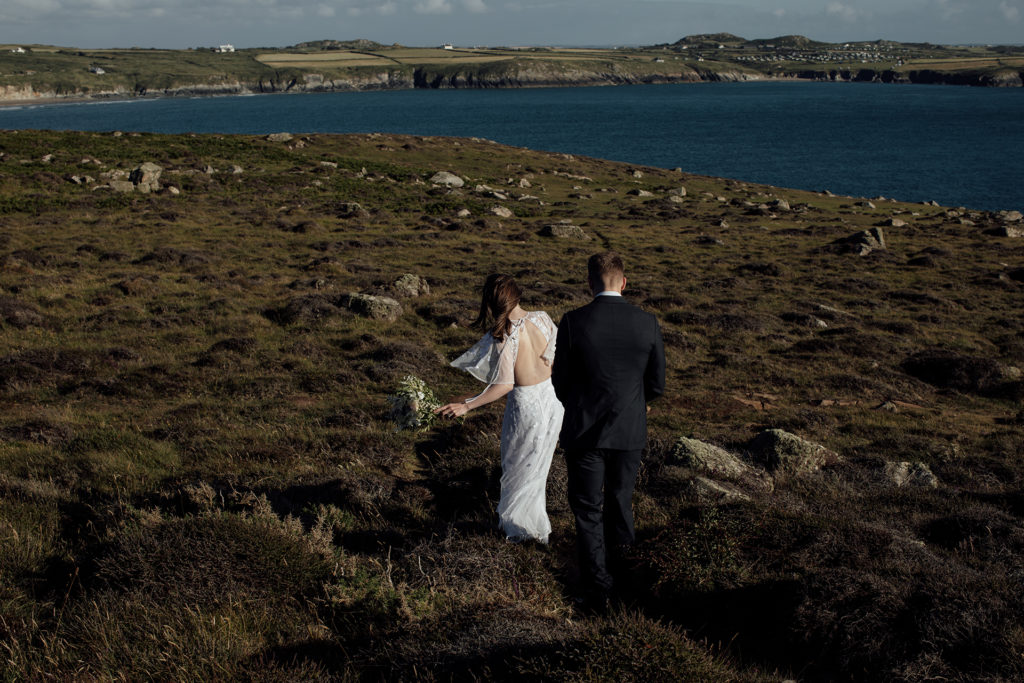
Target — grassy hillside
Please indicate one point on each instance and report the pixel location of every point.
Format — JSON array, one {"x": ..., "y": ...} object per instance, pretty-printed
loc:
[
  {"x": 199, "y": 480},
  {"x": 46, "y": 72}
]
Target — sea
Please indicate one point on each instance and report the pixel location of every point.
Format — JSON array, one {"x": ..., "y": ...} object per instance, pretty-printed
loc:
[{"x": 958, "y": 146}]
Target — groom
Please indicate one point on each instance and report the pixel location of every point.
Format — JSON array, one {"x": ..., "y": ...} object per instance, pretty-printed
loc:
[{"x": 609, "y": 362}]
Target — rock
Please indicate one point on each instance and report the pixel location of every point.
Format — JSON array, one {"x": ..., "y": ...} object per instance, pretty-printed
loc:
[
  {"x": 780, "y": 205},
  {"x": 351, "y": 210},
  {"x": 173, "y": 190},
  {"x": 710, "y": 492},
  {"x": 280, "y": 137},
  {"x": 1011, "y": 216},
  {"x": 565, "y": 231},
  {"x": 82, "y": 179},
  {"x": 410, "y": 285},
  {"x": 122, "y": 186},
  {"x": 914, "y": 474},
  {"x": 678, "y": 192},
  {"x": 464, "y": 213},
  {"x": 329, "y": 164},
  {"x": 236, "y": 169},
  {"x": 638, "y": 174},
  {"x": 723, "y": 223},
  {"x": 370, "y": 306},
  {"x": 640, "y": 193},
  {"x": 676, "y": 199},
  {"x": 861, "y": 243},
  {"x": 1006, "y": 231},
  {"x": 500, "y": 212},
  {"x": 447, "y": 179},
  {"x": 47, "y": 158},
  {"x": 525, "y": 184},
  {"x": 209, "y": 170},
  {"x": 969, "y": 374},
  {"x": 146, "y": 177},
  {"x": 865, "y": 205},
  {"x": 780, "y": 450},
  {"x": 893, "y": 223},
  {"x": 707, "y": 458}
]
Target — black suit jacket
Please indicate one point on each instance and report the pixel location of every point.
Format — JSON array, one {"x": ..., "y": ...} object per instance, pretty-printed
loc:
[{"x": 609, "y": 362}]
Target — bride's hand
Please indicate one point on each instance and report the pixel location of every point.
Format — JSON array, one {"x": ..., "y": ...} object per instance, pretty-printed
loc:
[{"x": 452, "y": 410}]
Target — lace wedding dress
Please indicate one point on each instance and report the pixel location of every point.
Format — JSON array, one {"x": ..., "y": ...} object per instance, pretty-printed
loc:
[{"x": 529, "y": 429}]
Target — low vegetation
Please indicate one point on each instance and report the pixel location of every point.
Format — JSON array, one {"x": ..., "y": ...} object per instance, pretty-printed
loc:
[
  {"x": 199, "y": 480},
  {"x": 56, "y": 72}
]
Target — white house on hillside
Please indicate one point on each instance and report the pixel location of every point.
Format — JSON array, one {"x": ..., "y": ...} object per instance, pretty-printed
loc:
[
  {"x": 448, "y": 46},
  {"x": 226, "y": 48},
  {"x": 18, "y": 50}
]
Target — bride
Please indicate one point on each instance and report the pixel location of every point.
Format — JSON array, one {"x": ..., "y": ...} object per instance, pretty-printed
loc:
[{"x": 514, "y": 358}]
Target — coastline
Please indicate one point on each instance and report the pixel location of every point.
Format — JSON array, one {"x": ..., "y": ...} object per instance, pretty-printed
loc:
[{"x": 314, "y": 83}]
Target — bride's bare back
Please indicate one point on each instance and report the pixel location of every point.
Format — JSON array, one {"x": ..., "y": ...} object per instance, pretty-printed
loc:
[{"x": 530, "y": 367}]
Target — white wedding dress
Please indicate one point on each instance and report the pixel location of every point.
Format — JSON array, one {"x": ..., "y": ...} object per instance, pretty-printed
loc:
[{"x": 529, "y": 429}]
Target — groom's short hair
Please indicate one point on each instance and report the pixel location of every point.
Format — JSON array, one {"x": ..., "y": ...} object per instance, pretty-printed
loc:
[{"x": 604, "y": 265}]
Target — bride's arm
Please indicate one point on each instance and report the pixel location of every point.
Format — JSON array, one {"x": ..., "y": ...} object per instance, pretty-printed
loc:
[{"x": 491, "y": 393}]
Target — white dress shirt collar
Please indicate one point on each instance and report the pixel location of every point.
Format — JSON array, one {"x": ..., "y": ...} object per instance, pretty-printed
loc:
[{"x": 608, "y": 293}]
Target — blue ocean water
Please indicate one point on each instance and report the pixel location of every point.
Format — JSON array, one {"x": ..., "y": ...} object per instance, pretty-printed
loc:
[{"x": 955, "y": 145}]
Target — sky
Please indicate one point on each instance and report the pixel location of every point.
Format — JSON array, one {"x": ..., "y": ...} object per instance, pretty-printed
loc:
[{"x": 279, "y": 23}]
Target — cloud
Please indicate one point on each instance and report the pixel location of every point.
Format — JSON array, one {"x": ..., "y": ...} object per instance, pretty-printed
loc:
[
  {"x": 844, "y": 12},
  {"x": 433, "y": 7},
  {"x": 476, "y": 6},
  {"x": 1010, "y": 12},
  {"x": 325, "y": 11},
  {"x": 779, "y": 13}
]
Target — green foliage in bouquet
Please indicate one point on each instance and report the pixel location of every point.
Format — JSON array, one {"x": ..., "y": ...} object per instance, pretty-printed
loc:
[{"x": 413, "y": 405}]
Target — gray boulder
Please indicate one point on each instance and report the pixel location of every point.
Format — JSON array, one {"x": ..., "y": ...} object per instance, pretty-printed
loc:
[
  {"x": 500, "y": 212},
  {"x": 122, "y": 186},
  {"x": 146, "y": 177},
  {"x": 780, "y": 205},
  {"x": 707, "y": 457},
  {"x": 280, "y": 137},
  {"x": 781, "y": 451},
  {"x": 370, "y": 306},
  {"x": 565, "y": 231},
  {"x": 1011, "y": 216},
  {"x": 1006, "y": 231},
  {"x": 710, "y": 492},
  {"x": 640, "y": 193},
  {"x": 352, "y": 210},
  {"x": 912, "y": 474},
  {"x": 409, "y": 285},
  {"x": 447, "y": 179},
  {"x": 861, "y": 243}
]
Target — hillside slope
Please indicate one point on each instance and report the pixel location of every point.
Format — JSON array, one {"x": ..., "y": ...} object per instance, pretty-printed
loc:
[{"x": 199, "y": 479}]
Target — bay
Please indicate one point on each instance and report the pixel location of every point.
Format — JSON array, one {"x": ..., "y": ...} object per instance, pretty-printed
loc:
[{"x": 955, "y": 145}]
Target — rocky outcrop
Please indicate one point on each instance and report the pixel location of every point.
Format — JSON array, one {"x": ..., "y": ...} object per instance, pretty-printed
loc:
[
  {"x": 410, "y": 285},
  {"x": 525, "y": 74},
  {"x": 1006, "y": 78},
  {"x": 861, "y": 243},
  {"x": 779, "y": 450},
  {"x": 370, "y": 306}
]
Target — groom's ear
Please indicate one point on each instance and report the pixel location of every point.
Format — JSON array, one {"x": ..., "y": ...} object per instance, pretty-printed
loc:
[{"x": 623, "y": 287}]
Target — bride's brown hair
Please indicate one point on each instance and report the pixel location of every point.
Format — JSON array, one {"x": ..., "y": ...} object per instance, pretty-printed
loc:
[{"x": 500, "y": 297}]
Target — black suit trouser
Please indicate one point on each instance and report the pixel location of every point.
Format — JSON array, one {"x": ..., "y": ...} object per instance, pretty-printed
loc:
[{"x": 601, "y": 485}]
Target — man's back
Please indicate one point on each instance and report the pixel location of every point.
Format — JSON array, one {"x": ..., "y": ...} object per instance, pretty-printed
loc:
[{"x": 609, "y": 361}]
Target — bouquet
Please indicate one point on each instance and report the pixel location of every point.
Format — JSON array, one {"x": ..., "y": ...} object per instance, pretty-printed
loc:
[{"x": 412, "y": 406}]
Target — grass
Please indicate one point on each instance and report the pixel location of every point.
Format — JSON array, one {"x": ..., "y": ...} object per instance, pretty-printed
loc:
[
  {"x": 46, "y": 71},
  {"x": 198, "y": 478}
]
